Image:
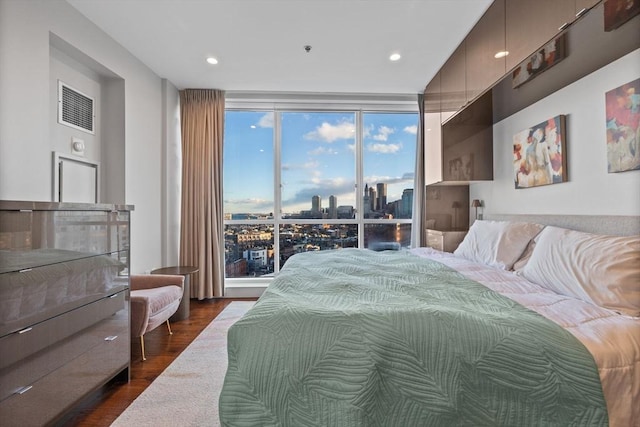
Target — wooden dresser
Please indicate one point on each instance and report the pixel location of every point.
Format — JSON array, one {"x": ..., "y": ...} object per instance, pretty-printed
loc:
[
  {"x": 446, "y": 241},
  {"x": 64, "y": 306}
]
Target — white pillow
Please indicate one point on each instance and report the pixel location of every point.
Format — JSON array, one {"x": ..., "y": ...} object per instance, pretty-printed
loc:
[
  {"x": 497, "y": 243},
  {"x": 604, "y": 270}
]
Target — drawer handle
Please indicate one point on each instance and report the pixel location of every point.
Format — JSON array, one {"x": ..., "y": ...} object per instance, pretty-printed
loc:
[
  {"x": 111, "y": 338},
  {"x": 23, "y": 390},
  {"x": 25, "y": 330},
  {"x": 25, "y": 270},
  {"x": 113, "y": 296},
  {"x": 563, "y": 26}
]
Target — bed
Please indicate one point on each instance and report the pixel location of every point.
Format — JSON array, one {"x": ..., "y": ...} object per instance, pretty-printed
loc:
[{"x": 524, "y": 324}]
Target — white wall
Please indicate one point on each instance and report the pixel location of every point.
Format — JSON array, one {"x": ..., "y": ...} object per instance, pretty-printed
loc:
[
  {"x": 590, "y": 188},
  {"x": 25, "y": 136},
  {"x": 73, "y": 74}
]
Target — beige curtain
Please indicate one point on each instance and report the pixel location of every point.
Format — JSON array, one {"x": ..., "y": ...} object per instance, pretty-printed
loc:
[{"x": 201, "y": 228}]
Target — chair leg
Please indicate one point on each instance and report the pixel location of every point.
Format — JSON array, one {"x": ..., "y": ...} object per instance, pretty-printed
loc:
[
  {"x": 142, "y": 346},
  {"x": 169, "y": 327}
]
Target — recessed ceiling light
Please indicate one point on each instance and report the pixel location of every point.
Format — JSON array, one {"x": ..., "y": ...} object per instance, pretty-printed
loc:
[
  {"x": 394, "y": 57},
  {"x": 211, "y": 60},
  {"x": 501, "y": 54}
]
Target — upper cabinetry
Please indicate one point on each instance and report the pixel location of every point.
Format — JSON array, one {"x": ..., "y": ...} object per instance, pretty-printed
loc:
[
  {"x": 452, "y": 81},
  {"x": 581, "y": 5},
  {"x": 486, "y": 41},
  {"x": 521, "y": 28},
  {"x": 508, "y": 33},
  {"x": 531, "y": 23}
]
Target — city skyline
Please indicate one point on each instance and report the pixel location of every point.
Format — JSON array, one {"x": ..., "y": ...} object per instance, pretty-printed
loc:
[{"x": 318, "y": 158}]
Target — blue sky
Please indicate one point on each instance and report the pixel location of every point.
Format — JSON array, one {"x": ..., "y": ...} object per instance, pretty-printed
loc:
[{"x": 318, "y": 158}]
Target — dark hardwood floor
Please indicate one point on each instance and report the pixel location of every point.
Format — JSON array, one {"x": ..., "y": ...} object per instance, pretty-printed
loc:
[{"x": 106, "y": 404}]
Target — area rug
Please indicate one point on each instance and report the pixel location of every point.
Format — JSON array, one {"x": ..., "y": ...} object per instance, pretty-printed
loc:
[{"x": 187, "y": 392}]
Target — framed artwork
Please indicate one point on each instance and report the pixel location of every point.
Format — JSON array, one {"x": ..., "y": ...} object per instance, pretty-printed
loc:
[
  {"x": 545, "y": 58},
  {"x": 623, "y": 127},
  {"x": 539, "y": 154},
  {"x": 617, "y": 12}
]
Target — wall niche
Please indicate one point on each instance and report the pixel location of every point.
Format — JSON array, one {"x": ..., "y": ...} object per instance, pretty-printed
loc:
[{"x": 106, "y": 145}]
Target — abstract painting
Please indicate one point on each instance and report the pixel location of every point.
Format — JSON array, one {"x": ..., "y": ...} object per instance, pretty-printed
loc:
[
  {"x": 546, "y": 57},
  {"x": 617, "y": 12},
  {"x": 539, "y": 154},
  {"x": 623, "y": 127}
]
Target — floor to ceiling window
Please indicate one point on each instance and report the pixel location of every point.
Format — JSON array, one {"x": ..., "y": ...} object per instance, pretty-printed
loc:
[{"x": 298, "y": 180}]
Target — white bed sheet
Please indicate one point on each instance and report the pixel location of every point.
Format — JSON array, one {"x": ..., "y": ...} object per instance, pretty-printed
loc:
[{"x": 613, "y": 339}]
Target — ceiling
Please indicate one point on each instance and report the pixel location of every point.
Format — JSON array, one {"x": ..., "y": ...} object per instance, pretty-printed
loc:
[{"x": 260, "y": 43}]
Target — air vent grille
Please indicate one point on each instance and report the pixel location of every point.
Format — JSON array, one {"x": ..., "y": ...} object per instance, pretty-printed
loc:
[{"x": 75, "y": 109}]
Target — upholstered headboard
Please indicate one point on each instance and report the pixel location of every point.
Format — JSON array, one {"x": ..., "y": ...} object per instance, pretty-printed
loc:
[{"x": 616, "y": 225}]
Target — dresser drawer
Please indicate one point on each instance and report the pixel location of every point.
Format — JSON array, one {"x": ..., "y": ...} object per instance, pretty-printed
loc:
[
  {"x": 51, "y": 396},
  {"x": 29, "y": 356}
]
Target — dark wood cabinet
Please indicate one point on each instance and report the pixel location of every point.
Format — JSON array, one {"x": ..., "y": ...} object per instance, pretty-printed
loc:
[
  {"x": 432, "y": 95},
  {"x": 452, "y": 81},
  {"x": 447, "y": 208},
  {"x": 584, "y": 4},
  {"x": 467, "y": 143},
  {"x": 486, "y": 41},
  {"x": 532, "y": 23},
  {"x": 64, "y": 293}
]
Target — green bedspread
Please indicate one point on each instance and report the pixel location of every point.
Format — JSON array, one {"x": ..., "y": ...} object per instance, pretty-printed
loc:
[{"x": 361, "y": 338}]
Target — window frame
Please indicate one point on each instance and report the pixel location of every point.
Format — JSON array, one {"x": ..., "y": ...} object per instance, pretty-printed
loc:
[{"x": 315, "y": 103}]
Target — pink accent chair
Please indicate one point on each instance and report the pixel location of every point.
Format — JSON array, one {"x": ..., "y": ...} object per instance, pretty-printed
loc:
[{"x": 154, "y": 298}]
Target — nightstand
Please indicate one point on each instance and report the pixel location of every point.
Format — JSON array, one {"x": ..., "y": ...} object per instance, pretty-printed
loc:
[{"x": 446, "y": 241}]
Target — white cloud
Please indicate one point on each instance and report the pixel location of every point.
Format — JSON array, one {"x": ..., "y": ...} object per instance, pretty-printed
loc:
[
  {"x": 384, "y": 148},
  {"x": 413, "y": 130},
  {"x": 239, "y": 205},
  {"x": 322, "y": 150},
  {"x": 383, "y": 133},
  {"x": 366, "y": 133},
  {"x": 266, "y": 121},
  {"x": 331, "y": 133},
  {"x": 298, "y": 166}
]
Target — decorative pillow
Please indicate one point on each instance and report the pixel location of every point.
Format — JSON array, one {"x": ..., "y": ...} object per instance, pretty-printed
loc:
[
  {"x": 604, "y": 270},
  {"x": 524, "y": 258},
  {"x": 497, "y": 243}
]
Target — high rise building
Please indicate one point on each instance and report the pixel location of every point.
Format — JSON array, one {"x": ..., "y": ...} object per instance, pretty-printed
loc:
[
  {"x": 366, "y": 202},
  {"x": 372, "y": 198},
  {"x": 315, "y": 204},
  {"x": 407, "y": 203},
  {"x": 382, "y": 196},
  {"x": 333, "y": 207}
]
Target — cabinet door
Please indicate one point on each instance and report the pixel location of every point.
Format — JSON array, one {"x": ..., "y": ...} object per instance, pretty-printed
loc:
[
  {"x": 532, "y": 23},
  {"x": 585, "y": 4},
  {"x": 432, "y": 148},
  {"x": 432, "y": 95},
  {"x": 452, "y": 81},
  {"x": 483, "y": 43}
]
